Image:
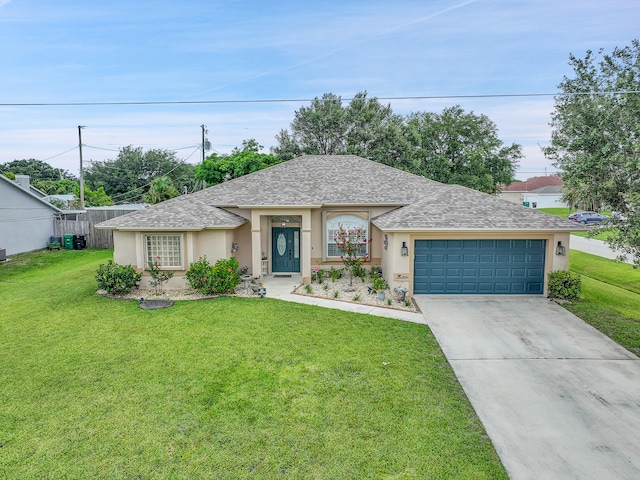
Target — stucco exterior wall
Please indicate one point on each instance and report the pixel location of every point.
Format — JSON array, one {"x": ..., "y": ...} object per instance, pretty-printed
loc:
[
  {"x": 542, "y": 200},
  {"x": 124, "y": 248},
  {"x": 26, "y": 223}
]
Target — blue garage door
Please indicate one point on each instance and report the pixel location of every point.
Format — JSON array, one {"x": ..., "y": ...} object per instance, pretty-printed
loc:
[{"x": 479, "y": 266}]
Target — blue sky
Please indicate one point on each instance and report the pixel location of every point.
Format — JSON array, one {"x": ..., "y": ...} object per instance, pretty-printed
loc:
[{"x": 192, "y": 51}]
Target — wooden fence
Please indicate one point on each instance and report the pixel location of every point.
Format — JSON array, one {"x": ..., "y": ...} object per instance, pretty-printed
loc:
[{"x": 83, "y": 223}]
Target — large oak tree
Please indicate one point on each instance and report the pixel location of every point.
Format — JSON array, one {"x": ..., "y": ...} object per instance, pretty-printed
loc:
[
  {"x": 596, "y": 139},
  {"x": 452, "y": 147}
]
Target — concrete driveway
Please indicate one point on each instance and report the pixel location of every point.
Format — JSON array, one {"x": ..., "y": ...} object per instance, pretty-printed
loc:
[{"x": 558, "y": 399}]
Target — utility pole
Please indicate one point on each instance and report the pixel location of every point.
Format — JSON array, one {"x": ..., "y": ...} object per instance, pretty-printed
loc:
[
  {"x": 80, "y": 127},
  {"x": 204, "y": 130}
]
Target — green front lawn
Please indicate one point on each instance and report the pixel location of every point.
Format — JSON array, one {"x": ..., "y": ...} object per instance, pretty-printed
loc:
[
  {"x": 610, "y": 298},
  {"x": 223, "y": 388}
]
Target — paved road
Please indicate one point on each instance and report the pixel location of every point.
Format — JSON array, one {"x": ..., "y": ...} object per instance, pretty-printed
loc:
[
  {"x": 559, "y": 399},
  {"x": 594, "y": 247}
]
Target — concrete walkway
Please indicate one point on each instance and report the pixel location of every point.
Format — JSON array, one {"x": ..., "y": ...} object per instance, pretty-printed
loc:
[
  {"x": 559, "y": 399},
  {"x": 594, "y": 247}
]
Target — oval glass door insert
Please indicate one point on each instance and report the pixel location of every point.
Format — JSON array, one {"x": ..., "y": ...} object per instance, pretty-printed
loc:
[{"x": 281, "y": 244}]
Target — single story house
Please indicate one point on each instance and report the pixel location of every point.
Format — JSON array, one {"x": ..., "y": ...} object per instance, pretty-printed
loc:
[
  {"x": 427, "y": 236},
  {"x": 26, "y": 219},
  {"x": 536, "y": 192}
]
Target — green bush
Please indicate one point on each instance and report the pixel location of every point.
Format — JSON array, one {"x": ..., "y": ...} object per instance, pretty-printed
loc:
[
  {"x": 199, "y": 274},
  {"x": 379, "y": 284},
  {"x": 222, "y": 277},
  {"x": 117, "y": 279},
  {"x": 564, "y": 285}
]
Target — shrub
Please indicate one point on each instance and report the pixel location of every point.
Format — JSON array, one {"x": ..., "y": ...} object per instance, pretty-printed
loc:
[
  {"x": 379, "y": 284},
  {"x": 117, "y": 279},
  {"x": 225, "y": 275},
  {"x": 158, "y": 277},
  {"x": 198, "y": 275},
  {"x": 564, "y": 285},
  {"x": 220, "y": 278}
]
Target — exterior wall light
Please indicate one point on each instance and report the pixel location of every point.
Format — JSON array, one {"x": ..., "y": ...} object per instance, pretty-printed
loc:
[
  {"x": 386, "y": 241},
  {"x": 560, "y": 249},
  {"x": 404, "y": 250},
  {"x": 234, "y": 248}
]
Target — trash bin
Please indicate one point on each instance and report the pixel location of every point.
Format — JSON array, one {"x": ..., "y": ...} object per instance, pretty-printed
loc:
[
  {"x": 68, "y": 241},
  {"x": 79, "y": 242}
]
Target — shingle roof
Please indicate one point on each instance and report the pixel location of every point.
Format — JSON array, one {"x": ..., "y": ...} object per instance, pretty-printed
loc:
[
  {"x": 182, "y": 213},
  {"x": 343, "y": 180},
  {"x": 453, "y": 207},
  {"x": 315, "y": 180},
  {"x": 535, "y": 183}
]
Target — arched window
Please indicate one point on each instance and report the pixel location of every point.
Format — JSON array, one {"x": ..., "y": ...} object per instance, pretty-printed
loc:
[{"x": 348, "y": 220}]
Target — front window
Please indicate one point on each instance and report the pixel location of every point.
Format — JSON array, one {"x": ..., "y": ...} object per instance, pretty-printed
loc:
[
  {"x": 348, "y": 221},
  {"x": 165, "y": 249}
]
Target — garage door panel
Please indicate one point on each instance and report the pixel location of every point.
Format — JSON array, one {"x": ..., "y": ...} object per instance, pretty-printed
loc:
[{"x": 479, "y": 266}]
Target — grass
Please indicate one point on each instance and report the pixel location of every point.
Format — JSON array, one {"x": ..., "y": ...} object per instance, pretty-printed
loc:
[
  {"x": 225, "y": 388},
  {"x": 610, "y": 299}
]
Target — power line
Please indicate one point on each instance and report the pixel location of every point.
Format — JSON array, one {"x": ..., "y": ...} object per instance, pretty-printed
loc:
[{"x": 290, "y": 100}]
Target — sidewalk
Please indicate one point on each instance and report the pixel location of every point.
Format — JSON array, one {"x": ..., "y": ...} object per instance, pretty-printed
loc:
[{"x": 594, "y": 247}]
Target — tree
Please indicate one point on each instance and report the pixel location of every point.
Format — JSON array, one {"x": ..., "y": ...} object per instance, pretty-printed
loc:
[
  {"x": 364, "y": 127},
  {"x": 248, "y": 159},
  {"x": 128, "y": 177},
  {"x": 351, "y": 243},
  {"x": 460, "y": 148},
  {"x": 454, "y": 147},
  {"x": 161, "y": 189},
  {"x": 596, "y": 139},
  {"x": 56, "y": 187},
  {"x": 36, "y": 169}
]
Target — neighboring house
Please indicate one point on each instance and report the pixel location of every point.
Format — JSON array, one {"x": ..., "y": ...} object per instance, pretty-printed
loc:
[
  {"x": 26, "y": 220},
  {"x": 427, "y": 236},
  {"x": 537, "y": 192}
]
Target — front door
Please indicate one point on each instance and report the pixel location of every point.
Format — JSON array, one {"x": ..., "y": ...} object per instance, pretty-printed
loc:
[{"x": 285, "y": 250}]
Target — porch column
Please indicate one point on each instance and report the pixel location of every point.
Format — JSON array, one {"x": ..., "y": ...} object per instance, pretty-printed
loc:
[
  {"x": 306, "y": 247},
  {"x": 256, "y": 252}
]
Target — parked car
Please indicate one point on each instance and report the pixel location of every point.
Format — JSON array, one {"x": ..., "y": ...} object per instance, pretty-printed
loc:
[
  {"x": 575, "y": 215},
  {"x": 588, "y": 217}
]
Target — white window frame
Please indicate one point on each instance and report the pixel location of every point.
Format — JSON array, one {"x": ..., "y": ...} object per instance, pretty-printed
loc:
[
  {"x": 348, "y": 219},
  {"x": 168, "y": 246}
]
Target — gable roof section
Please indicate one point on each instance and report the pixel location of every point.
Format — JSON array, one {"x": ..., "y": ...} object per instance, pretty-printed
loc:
[
  {"x": 182, "y": 213},
  {"x": 453, "y": 207}
]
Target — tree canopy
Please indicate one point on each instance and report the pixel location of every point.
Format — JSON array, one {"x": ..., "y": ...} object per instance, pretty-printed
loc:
[
  {"x": 129, "y": 176},
  {"x": 596, "y": 138},
  {"x": 161, "y": 189},
  {"x": 248, "y": 159},
  {"x": 452, "y": 147},
  {"x": 36, "y": 169}
]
